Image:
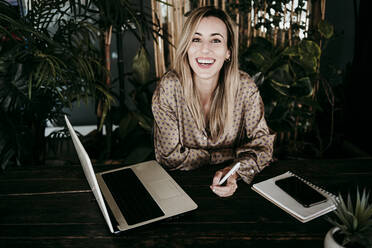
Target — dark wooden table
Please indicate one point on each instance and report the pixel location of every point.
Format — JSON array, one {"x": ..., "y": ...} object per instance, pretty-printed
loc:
[{"x": 53, "y": 207}]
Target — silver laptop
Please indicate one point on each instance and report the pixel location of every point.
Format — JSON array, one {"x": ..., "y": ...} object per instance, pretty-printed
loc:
[{"x": 136, "y": 195}]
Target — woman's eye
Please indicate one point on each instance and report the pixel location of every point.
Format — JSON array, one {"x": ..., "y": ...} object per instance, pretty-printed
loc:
[
  {"x": 216, "y": 41},
  {"x": 195, "y": 40}
]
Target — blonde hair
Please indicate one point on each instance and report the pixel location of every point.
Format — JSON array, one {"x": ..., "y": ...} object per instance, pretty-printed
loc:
[{"x": 222, "y": 102}]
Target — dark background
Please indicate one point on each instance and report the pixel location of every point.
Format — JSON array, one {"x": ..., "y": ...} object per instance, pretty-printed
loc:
[
  {"x": 348, "y": 51},
  {"x": 351, "y": 51}
]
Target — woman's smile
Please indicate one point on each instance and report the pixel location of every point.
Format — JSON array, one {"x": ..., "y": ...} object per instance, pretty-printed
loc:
[{"x": 205, "y": 63}]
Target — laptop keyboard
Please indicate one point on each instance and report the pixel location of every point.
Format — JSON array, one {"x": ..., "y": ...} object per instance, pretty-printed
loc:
[{"x": 132, "y": 198}]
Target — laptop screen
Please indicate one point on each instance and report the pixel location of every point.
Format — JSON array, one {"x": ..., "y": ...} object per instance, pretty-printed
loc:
[{"x": 89, "y": 173}]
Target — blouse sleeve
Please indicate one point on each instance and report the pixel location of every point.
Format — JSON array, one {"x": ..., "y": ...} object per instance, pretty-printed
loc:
[
  {"x": 257, "y": 149},
  {"x": 169, "y": 150}
]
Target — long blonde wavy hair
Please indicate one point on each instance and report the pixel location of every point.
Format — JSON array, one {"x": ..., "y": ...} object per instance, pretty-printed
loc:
[{"x": 223, "y": 99}]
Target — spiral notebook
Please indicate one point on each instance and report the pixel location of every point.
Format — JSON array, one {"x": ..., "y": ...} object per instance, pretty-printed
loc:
[{"x": 305, "y": 203}]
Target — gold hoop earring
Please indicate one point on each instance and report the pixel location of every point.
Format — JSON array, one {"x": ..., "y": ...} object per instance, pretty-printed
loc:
[{"x": 227, "y": 60}]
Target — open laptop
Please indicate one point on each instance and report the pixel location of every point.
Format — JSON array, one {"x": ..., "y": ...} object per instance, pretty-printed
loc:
[{"x": 136, "y": 195}]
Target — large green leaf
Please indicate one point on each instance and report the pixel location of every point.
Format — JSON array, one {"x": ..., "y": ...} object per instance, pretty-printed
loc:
[
  {"x": 281, "y": 75},
  {"x": 281, "y": 88},
  {"x": 306, "y": 54},
  {"x": 325, "y": 29},
  {"x": 141, "y": 67},
  {"x": 144, "y": 121},
  {"x": 290, "y": 51},
  {"x": 310, "y": 48},
  {"x": 258, "y": 59},
  {"x": 302, "y": 88}
]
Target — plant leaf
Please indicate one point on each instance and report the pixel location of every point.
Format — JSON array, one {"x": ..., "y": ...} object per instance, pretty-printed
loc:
[
  {"x": 141, "y": 67},
  {"x": 325, "y": 29}
]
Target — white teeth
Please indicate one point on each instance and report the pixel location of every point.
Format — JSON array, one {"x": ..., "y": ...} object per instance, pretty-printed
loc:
[{"x": 205, "y": 61}]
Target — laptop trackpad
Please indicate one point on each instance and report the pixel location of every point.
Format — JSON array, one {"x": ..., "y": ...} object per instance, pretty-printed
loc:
[{"x": 165, "y": 189}]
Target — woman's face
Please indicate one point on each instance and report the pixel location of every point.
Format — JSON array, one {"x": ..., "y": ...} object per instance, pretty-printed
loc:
[{"x": 208, "y": 49}]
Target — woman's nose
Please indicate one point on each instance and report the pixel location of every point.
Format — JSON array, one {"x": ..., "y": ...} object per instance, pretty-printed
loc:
[{"x": 205, "y": 48}]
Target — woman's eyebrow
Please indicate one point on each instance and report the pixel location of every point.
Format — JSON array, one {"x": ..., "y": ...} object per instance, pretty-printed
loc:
[{"x": 213, "y": 34}]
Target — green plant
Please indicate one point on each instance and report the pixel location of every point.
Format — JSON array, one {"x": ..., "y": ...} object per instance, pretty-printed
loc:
[
  {"x": 133, "y": 139},
  {"x": 290, "y": 84},
  {"x": 286, "y": 78},
  {"x": 48, "y": 60},
  {"x": 354, "y": 219},
  {"x": 58, "y": 53},
  {"x": 134, "y": 112}
]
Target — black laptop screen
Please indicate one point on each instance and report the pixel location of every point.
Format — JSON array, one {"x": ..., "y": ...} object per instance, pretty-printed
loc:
[{"x": 132, "y": 198}]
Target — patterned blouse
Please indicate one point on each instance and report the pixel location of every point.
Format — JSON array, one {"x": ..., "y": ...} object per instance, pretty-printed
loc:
[{"x": 179, "y": 144}]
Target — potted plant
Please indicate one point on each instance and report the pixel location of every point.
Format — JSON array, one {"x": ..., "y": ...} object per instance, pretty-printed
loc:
[
  {"x": 134, "y": 117},
  {"x": 132, "y": 88},
  {"x": 48, "y": 60},
  {"x": 58, "y": 52},
  {"x": 352, "y": 222},
  {"x": 293, "y": 89}
]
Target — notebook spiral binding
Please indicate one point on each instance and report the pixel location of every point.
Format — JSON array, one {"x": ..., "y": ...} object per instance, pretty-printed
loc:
[{"x": 334, "y": 197}]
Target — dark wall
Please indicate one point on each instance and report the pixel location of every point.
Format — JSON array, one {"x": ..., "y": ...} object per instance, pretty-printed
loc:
[
  {"x": 340, "y": 50},
  {"x": 351, "y": 52},
  {"x": 358, "y": 90}
]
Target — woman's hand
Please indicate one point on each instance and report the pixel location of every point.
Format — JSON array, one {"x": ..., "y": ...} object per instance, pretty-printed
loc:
[{"x": 230, "y": 187}]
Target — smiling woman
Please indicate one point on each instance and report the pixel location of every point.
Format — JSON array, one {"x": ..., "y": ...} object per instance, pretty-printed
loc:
[
  {"x": 208, "y": 50},
  {"x": 207, "y": 54},
  {"x": 206, "y": 111}
]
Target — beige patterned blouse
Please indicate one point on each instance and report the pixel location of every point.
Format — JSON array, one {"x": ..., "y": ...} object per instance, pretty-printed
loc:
[{"x": 179, "y": 144}]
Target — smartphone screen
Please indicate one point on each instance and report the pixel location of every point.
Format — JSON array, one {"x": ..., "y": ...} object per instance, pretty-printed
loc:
[{"x": 300, "y": 191}]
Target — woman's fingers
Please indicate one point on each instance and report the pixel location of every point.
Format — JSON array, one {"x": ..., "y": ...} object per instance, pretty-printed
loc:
[
  {"x": 230, "y": 187},
  {"x": 225, "y": 191},
  {"x": 217, "y": 177}
]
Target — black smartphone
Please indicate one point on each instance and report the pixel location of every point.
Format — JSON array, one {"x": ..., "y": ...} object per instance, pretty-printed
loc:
[{"x": 300, "y": 191}]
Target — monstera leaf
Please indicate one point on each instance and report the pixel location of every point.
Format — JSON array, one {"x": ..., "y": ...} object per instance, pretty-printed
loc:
[
  {"x": 300, "y": 88},
  {"x": 306, "y": 54},
  {"x": 281, "y": 74}
]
